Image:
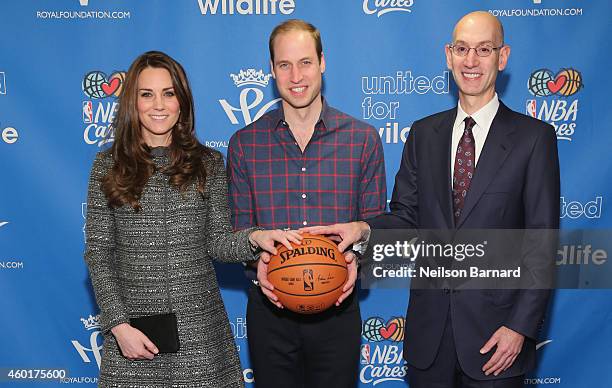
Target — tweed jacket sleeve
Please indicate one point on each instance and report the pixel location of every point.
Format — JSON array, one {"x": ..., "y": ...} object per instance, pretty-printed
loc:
[
  {"x": 222, "y": 244},
  {"x": 100, "y": 248}
]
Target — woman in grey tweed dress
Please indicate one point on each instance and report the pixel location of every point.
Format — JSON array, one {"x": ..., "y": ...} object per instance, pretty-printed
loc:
[{"x": 152, "y": 229}]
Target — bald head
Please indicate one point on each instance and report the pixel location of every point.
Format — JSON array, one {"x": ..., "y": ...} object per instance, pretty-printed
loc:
[
  {"x": 475, "y": 71},
  {"x": 480, "y": 19}
]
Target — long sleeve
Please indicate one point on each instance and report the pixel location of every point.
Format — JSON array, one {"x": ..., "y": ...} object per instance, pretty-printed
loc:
[
  {"x": 222, "y": 244},
  {"x": 404, "y": 200},
  {"x": 241, "y": 197},
  {"x": 372, "y": 183},
  {"x": 541, "y": 199},
  {"x": 100, "y": 249}
]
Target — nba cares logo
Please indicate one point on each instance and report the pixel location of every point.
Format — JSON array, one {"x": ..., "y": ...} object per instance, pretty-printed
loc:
[
  {"x": 555, "y": 101},
  {"x": 99, "y": 113},
  {"x": 376, "y": 330},
  {"x": 97, "y": 85},
  {"x": 544, "y": 82}
]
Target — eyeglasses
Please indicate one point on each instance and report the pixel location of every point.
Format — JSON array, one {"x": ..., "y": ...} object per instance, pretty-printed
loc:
[{"x": 462, "y": 50}]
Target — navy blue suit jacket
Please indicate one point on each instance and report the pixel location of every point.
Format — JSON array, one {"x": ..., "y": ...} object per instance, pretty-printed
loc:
[{"x": 515, "y": 186}]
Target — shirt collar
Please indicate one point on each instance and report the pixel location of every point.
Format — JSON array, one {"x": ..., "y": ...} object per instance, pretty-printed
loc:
[
  {"x": 483, "y": 117},
  {"x": 325, "y": 117}
]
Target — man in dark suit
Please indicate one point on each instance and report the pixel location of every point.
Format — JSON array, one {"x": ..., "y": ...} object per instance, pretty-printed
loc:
[{"x": 477, "y": 166}]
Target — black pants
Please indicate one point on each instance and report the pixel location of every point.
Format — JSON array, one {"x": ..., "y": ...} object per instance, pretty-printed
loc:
[
  {"x": 445, "y": 372},
  {"x": 294, "y": 350}
]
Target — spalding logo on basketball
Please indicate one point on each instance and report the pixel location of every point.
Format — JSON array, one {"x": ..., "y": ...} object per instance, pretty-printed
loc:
[{"x": 309, "y": 278}]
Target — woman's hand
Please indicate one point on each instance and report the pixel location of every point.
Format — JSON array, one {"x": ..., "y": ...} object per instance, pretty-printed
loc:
[
  {"x": 262, "y": 277},
  {"x": 134, "y": 345},
  {"x": 267, "y": 239}
]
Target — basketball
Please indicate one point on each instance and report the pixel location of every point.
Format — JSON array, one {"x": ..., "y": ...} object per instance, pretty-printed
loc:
[{"x": 309, "y": 278}]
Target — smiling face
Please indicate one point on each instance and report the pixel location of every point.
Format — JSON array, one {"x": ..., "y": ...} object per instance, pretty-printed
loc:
[
  {"x": 297, "y": 69},
  {"x": 475, "y": 76},
  {"x": 157, "y": 105}
]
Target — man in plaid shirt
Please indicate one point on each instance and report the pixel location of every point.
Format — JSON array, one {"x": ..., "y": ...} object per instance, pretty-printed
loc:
[{"x": 303, "y": 164}]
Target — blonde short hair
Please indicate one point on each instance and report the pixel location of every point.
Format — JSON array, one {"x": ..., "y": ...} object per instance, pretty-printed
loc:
[{"x": 296, "y": 25}]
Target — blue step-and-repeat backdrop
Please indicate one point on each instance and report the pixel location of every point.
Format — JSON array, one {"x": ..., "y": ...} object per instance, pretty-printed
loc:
[{"x": 62, "y": 64}]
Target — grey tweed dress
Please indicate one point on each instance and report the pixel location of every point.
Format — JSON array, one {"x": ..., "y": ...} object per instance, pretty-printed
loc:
[{"x": 133, "y": 255}]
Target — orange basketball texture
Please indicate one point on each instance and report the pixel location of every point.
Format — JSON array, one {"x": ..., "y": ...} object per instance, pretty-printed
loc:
[{"x": 309, "y": 278}]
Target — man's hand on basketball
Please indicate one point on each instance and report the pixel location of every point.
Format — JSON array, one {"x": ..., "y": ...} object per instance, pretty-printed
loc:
[
  {"x": 262, "y": 277},
  {"x": 349, "y": 233},
  {"x": 351, "y": 263}
]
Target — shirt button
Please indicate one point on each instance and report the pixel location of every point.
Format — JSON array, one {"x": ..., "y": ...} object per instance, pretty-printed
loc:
[
  {"x": 303, "y": 168},
  {"x": 305, "y": 223},
  {"x": 304, "y": 195}
]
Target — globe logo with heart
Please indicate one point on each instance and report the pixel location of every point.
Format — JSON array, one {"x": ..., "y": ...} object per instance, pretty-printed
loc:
[
  {"x": 97, "y": 85},
  {"x": 376, "y": 330},
  {"x": 544, "y": 82}
]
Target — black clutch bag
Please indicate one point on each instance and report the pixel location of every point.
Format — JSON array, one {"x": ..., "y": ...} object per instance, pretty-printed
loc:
[{"x": 161, "y": 330}]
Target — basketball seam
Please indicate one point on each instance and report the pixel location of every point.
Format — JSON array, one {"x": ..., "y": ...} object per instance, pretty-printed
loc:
[
  {"x": 306, "y": 264},
  {"x": 326, "y": 241},
  {"x": 309, "y": 295}
]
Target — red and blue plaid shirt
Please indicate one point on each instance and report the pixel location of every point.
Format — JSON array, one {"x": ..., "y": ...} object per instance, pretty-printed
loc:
[{"x": 340, "y": 176}]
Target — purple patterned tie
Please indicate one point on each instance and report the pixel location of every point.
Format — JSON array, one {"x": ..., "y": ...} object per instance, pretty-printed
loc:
[{"x": 465, "y": 162}]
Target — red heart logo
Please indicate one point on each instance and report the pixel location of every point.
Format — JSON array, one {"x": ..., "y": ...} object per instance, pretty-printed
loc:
[
  {"x": 557, "y": 84},
  {"x": 388, "y": 331},
  {"x": 111, "y": 87}
]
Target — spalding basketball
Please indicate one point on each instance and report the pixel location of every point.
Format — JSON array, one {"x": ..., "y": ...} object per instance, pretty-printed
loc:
[{"x": 309, "y": 278}]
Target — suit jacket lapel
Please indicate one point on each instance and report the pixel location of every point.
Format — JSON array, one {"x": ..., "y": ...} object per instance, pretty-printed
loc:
[
  {"x": 496, "y": 148},
  {"x": 440, "y": 164}
]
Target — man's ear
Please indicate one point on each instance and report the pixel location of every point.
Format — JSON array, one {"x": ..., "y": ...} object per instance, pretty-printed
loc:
[
  {"x": 322, "y": 63},
  {"x": 504, "y": 54},
  {"x": 448, "y": 53},
  {"x": 272, "y": 69}
]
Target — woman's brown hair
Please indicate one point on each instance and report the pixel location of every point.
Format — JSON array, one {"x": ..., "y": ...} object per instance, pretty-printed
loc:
[{"x": 132, "y": 163}]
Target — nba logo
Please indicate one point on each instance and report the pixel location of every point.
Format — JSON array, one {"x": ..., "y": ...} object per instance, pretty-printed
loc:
[
  {"x": 364, "y": 354},
  {"x": 87, "y": 112},
  {"x": 531, "y": 108},
  {"x": 2, "y": 83},
  {"x": 308, "y": 280}
]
